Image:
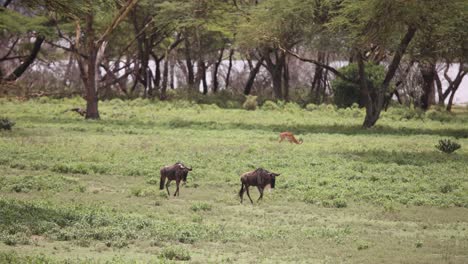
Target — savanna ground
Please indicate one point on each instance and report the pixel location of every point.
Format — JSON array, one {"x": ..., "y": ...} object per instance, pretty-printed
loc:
[{"x": 88, "y": 191}]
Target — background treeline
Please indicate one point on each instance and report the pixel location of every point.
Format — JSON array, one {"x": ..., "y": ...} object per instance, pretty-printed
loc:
[{"x": 217, "y": 51}]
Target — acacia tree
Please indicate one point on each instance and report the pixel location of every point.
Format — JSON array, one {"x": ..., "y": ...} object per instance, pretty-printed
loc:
[
  {"x": 204, "y": 30},
  {"x": 441, "y": 39},
  {"x": 90, "y": 43},
  {"x": 269, "y": 26},
  {"x": 23, "y": 21}
]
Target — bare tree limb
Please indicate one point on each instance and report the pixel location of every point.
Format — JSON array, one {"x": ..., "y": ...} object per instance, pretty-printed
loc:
[{"x": 331, "y": 69}]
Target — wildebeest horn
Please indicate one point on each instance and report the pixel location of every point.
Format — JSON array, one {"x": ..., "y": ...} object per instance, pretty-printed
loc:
[{"x": 190, "y": 168}]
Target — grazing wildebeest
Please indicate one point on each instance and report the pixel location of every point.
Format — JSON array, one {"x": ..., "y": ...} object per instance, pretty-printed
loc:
[
  {"x": 260, "y": 178},
  {"x": 177, "y": 172}
]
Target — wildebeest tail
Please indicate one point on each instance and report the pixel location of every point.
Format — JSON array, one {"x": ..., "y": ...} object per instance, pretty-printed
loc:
[
  {"x": 272, "y": 184},
  {"x": 241, "y": 190},
  {"x": 161, "y": 182}
]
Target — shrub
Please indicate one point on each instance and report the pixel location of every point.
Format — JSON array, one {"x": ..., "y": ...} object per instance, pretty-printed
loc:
[
  {"x": 6, "y": 124},
  {"x": 250, "y": 103},
  {"x": 447, "y": 146},
  {"x": 437, "y": 115},
  {"x": 270, "y": 106},
  {"x": 292, "y": 107},
  {"x": 175, "y": 253},
  {"x": 347, "y": 93},
  {"x": 312, "y": 107}
]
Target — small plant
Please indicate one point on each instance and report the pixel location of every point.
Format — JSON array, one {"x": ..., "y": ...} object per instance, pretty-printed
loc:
[
  {"x": 447, "y": 146},
  {"x": 175, "y": 253},
  {"x": 200, "y": 207},
  {"x": 362, "y": 246},
  {"x": 6, "y": 124}
]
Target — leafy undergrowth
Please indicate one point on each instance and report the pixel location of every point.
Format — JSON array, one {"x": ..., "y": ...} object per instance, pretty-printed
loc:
[{"x": 67, "y": 184}]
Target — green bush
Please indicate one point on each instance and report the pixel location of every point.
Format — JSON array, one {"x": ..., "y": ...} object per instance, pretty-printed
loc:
[
  {"x": 347, "y": 93},
  {"x": 312, "y": 107},
  {"x": 292, "y": 107},
  {"x": 6, "y": 124},
  {"x": 250, "y": 103},
  {"x": 447, "y": 146},
  {"x": 270, "y": 106}
]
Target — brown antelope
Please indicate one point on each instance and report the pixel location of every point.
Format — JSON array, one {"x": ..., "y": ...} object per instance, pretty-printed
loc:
[
  {"x": 259, "y": 178},
  {"x": 177, "y": 172},
  {"x": 290, "y": 137}
]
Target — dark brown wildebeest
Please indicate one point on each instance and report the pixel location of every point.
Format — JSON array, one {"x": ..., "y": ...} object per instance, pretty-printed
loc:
[
  {"x": 177, "y": 172},
  {"x": 260, "y": 178}
]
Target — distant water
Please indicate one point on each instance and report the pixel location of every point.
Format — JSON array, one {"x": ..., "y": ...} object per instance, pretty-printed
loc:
[{"x": 461, "y": 97}]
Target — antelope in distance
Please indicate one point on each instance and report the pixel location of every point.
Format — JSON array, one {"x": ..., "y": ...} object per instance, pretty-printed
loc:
[
  {"x": 260, "y": 178},
  {"x": 290, "y": 137},
  {"x": 177, "y": 172}
]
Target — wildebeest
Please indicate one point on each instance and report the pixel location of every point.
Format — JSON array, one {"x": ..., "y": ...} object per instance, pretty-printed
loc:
[
  {"x": 177, "y": 172},
  {"x": 260, "y": 178}
]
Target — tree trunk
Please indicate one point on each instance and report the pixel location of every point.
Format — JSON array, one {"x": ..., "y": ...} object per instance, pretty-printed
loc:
[
  {"x": 204, "y": 83},
  {"x": 162, "y": 95},
  {"x": 27, "y": 62},
  {"x": 276, "y": 72},
  {"x": 317, "y": 82},
  {"x": 188, "y": 60},
  {"x": 277, "y": 80},
  {"x": 215, "y": 71},
  {"x": 252, "y": 75},
  {"x": 428, "y": 72},
  {"x": 285, "y": 78},
  {"x": 440, "y": 93},
  {"x": 453, "y": 84},
  {"x": 228, "y": 75},
  {"x": 172, "y": 73},
  {"x": 201, "y": 76},
  {"x": 91, "y": 89},
  {"x": 376, "y": 96}
]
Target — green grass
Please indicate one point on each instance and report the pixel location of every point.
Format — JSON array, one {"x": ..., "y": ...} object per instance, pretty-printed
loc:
[{"x": 88, "y": 191}]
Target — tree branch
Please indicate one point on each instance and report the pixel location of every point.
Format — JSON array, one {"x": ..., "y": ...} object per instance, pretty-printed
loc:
[
  {"x": 123, "y": 12},
  {"x": 331, "y": 69}
]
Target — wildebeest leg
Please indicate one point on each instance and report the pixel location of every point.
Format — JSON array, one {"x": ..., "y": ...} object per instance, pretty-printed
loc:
[
  {"x": 248, "y": 194},
  {"x": 260, "y": 189},
  {"x": 167, "y": 187},
  {"x": 177, "y": 190}
]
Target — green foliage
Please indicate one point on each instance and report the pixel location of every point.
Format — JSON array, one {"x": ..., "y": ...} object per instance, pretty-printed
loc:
[
  {"x": 201, "y": 207},
  {"x": 447, "y": 146},
  {"x": 250, "y": 103},
  {"x": 6, "y": 124},
  {"x": 270, "y": 106},
  {"x": 311, "y": 107},
  {"x": 175, "y": 253},
  {"x": 346, "y": 93},
  {"x": 276, "y": 22}
]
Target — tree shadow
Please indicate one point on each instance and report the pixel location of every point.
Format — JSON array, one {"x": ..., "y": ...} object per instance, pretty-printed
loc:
[
  {"x": 314, "y": 129},
  {"x": 405, "y": 157},
  {"x": 276, "y": 128},
  {"x": 15, "y": 212}
]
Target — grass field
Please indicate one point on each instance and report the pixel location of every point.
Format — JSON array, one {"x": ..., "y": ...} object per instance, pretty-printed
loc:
[{"x": 88, "y": 191}]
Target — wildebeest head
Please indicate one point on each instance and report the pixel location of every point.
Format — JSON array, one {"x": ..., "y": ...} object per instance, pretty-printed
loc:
[
  {"x": 184, "y": 170},
  {"x": 273, "y": 176}
]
